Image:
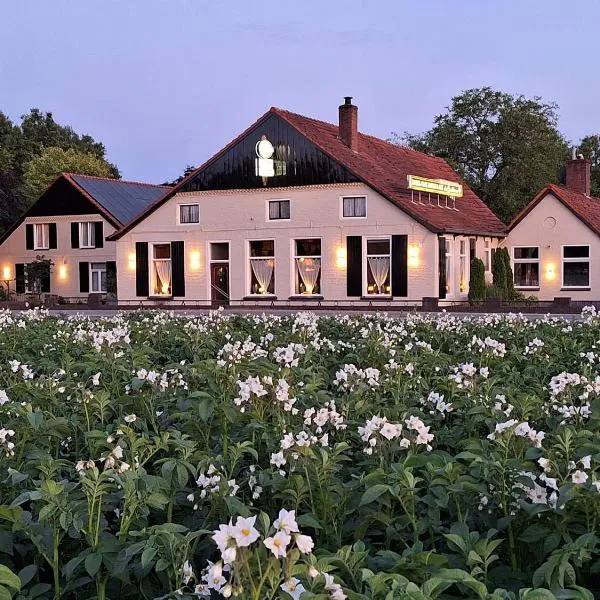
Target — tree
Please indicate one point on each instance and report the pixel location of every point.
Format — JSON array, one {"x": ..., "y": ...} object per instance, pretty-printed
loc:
[
  {"x": 189, "y": 169},
  {"x": 43, "y": 169},
  {"x": 590, "y": 148},
  {"x": 477, "y": 281},
  {"x": 19, "y": 144},
  {"x": 505, "y": 147},
  {"x": 510, "y": 283},
  {"x": 499, "y": 275}
]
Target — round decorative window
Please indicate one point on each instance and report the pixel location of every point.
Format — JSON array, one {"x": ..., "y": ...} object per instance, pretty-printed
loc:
[{"x": 549, "y": 222}]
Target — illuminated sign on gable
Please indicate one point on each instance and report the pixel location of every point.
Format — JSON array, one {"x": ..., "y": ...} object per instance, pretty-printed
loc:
[{"x": 435, "y": 186}]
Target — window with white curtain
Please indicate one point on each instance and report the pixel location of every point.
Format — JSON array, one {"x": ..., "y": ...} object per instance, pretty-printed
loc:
[
  {"x": 262, "y": 267},
  {"x": 161, "y": 270},
  {"x": 189, "y": 213},
  {"x": 449, "y": 270},
  {"x": 307, "y": 266},
  {"x": 41, "y": 236},
  {"x": 487, "y": 255},
  {"x": 354, "y": 206},
  {"x": 87, "y": 235},
  {"x": 98, "y": 277},
  {"x": 462, "y": 257},
  {"x": 378, "y": 266}
]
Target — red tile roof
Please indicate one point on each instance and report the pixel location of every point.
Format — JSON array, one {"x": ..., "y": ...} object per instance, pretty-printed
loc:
[
  {"x": 585, "y": 208},
  {"x": 384, "y": 167}
]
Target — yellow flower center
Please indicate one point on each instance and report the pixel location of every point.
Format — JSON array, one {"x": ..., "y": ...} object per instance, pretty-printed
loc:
[
  {"x": 277, "y": 543},
  {"x": 245, "y": 532}
]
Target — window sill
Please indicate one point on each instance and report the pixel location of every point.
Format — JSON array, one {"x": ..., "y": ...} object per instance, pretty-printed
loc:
[
  {"x": 277, "y": 220},
  {"x": 575, "y": 289},
  {"x": 259, "y": 297},
  {"x": 162, "y": 297},
  {"x": 527, "y": 289},
  {"x": 377, "y": 297},
  {"x": 309, "y": 297}
]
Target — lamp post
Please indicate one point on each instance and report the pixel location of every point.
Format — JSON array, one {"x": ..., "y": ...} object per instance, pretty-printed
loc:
[{"x": 7, "y": 282}]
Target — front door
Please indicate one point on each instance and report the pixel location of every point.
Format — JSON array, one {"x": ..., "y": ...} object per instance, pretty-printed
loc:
[{"x": 219, "y": 284}]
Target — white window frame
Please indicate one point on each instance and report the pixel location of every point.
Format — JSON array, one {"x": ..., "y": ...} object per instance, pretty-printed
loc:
[
  {"x": 517, "y": 261},
  {"x": 44, "y": 243},
  {"x": 294, "y": 269},
  {"x": 487, "y": 255},
  {"x": 153, "y": 292},
  {"x": 464, "y": 250},
  {"x": 99, "y": 271},
  {"x": 184, "y": 224},
  {"x": 268, "y": 212},
  {"x": 342, "y": 198},
  {"x": 91, "y": 234},
  {"x": 448, "y": 251},
  {"x": 365, "y": 261},
  {"x": 572, "y": 260},
  {"x": 249, "y": 267}
]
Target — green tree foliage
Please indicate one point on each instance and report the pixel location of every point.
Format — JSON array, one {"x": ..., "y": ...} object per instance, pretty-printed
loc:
[
  {"x": 19, "y": 144},
  {"x": 44, "y": 168},
  {"x": 499, "y": 274},
  {"x": 477, "y": 281},
  {"x": 506, "y": 147},
  {"x": 510, "y": 283},
  {"x": 590, "y": 148}
]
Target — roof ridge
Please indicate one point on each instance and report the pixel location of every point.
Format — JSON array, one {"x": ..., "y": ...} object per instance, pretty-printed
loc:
[
  {"x": 563, "y": 188},
  {"x": 361, "y": 133},
  {"x": 115, "y": 180}
]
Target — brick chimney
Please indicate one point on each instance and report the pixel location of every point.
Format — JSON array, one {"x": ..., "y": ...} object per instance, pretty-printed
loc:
[
  {"x": 349, "y": 123},
  {"x": 579, "y": 173}
]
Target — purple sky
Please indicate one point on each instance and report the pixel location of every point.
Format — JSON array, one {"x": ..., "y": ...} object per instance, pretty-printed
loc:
[{"x": 166, "y": 83}]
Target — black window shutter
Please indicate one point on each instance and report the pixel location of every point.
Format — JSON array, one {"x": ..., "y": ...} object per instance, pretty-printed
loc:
[
  {"x": 20, "y": 278},
  {"x": 74, "y": 235},
  {"x": 473, "y": 250},
  {"x": 141, "y": 269},
  {"x": 354, "y": 265},
  {"x": 45, "y": 279},
  {"x": 52, "y": 236},
  {"x": 400, "y": 265},
  {"x": 178, "y": 269},
  {"x": 29, "y": 237},
  {"x": 84, "y": 277},
  {"x": 111, "y": 276},
  {"x": 99, "y": 234},
  {"x": 442, "y": 267}
]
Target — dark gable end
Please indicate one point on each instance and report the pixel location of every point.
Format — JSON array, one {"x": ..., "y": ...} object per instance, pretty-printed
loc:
[
  {"x": 62, "y": 198},
  {"x": 296, "y": 162}
]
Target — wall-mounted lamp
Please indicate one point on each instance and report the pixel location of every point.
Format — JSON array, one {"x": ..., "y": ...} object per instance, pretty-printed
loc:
[
  {"x": 340, "y": 258},
  {"x": 62, "y": 270},
  {"x": 550, "y": 272},
  {"x": 195, "y": 260},
  {"x": 413, "y": 255},
  {"x": 7, "y": 274},
  {"x": 131, "y": 261}
]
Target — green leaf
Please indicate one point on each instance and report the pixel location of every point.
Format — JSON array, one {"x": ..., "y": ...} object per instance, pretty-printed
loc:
[
  {"x": 534, "y": 533},
  {"x": 148, "y": 555},
  {"x": 26, "y": 574},
  {"x": 236, "y": 507},
  {"x": 374, "y": 492},
  {"x": 538, "y": 594},
  {"x": 92, "y": 564},
  {"x": 4, "y": 593},
  {"x": 9, "y": 579}
]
